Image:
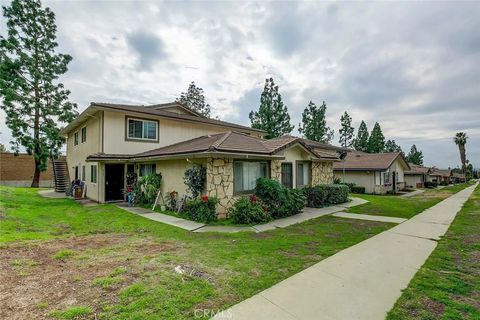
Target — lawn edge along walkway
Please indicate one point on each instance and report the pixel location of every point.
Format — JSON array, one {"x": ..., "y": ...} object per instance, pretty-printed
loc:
[
  {"x": 362, "y": 282},
  {"x": 306, "y": 214}
]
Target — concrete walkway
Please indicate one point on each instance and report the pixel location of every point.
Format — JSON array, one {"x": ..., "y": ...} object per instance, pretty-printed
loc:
[
  {"x": 361, "y": 282},
  {"x": 51, "y": 193},
  {"x": 306, "y": 214},
  {"x": 413, "y": 193}
]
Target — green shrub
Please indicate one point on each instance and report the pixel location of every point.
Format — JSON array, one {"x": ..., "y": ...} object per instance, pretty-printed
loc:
[
  {"x": 443, "y": 183},
  {"x": 201, "y": 209},
  {"x": 357, "y": 189},
  {"x": 326, "y": 194},
  {"x": 279, "y": 200},
  {"x": 149, "y": 186},
  {"x": 337, "y": 193},
  {"x": 430, "y": 184},
  {"x": 247, "y": 211},
  {"x": 195, "y": 178},
  {"x": 316, "y": 196}
]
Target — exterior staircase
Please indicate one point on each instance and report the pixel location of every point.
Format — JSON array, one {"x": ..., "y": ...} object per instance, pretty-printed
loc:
[{"x": 60, "y": 174}]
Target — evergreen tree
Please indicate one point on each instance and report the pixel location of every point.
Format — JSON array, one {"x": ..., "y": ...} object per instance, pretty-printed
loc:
[
  {"x": 272, "y": 116},
  {"x": 195, "y": 100},
  {"x": 392, "y": 146},
  {"x": 314, "y": 126},
  {"x": 346, "y": 131},
  {"x": 376, "y": 141},
  {"x": 361, "y": 141},
  {"x": 415, "y": 156},
  {"x": 34, "y": 101}
]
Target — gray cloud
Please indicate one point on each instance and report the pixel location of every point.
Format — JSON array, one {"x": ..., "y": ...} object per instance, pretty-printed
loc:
[{"x": 149, "y": 48}]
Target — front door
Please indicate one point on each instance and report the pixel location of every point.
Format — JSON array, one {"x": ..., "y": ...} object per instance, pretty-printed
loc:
[
  {"x": 114, "y": 181},
  {"x": 287, "y": 175},
  {"x": 394, "y": 182}
]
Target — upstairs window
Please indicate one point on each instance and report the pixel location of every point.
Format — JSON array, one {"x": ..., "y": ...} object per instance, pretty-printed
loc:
[
  {"x": 75, "y": 139},
  {"x": 84, "y": 134},
  {"x": 142, "y": 129}
]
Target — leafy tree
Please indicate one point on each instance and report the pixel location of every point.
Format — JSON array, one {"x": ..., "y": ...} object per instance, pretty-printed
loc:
[
  {"x": 346, "y": 131},
  {"x": 195, "y": 100},
  {"x": 392, "y": 146},
  {"x": 272, "y": 116},
  {"x": 415, "y": 156},
  {"x": 461, "y": 140},
  {"x": 34, "y": 101},
  {"x": 376, "y": 141},
  {"x": 314, "y": 126},
  {"x": 361, "y": 141}
]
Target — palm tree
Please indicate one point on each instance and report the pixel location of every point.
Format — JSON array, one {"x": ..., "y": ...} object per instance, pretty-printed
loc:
[{"x": 461, "y": 140}]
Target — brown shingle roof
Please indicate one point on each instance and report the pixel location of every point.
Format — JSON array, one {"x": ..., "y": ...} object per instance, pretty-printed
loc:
[
  {"x": 441, "y": 172},
  {"x": 230, "y": 142},
  {"x": 416, "y": 169},
  {"x": 356, "y": 160}
]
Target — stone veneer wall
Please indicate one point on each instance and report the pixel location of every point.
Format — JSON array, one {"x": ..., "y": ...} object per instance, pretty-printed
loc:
[
  {"x": 322, "y": 172},
  {"x": 276, "y": 170},
  {"x": 220, "y": 183}
]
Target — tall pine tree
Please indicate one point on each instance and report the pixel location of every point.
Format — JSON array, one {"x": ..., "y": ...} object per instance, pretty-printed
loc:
[
  {"x": 314, "y": 126},
  {"x": 415, "y": 156},
  {"x": 361, "y": 141},
  {"x": 376, "y": 142},
  {"x": 195, "y": 100},
  {"x": 346, "y": 131},
  {"x": 392, "y": 146},
  {"x": 34, "y": 101},
  {"x": 272, "y": 116}
]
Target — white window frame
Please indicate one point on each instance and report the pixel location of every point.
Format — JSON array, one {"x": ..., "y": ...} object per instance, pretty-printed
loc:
[
  {"x": 243, "y": 191},
  {"x": 143, "y": 121},
  {"x": 154, "y": 165}
]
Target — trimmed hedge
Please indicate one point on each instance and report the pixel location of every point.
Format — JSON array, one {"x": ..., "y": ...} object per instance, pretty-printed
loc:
[
  {"x": 279, "y": 200},
  {"x": 326, "y": 194},
  {"x": 201, "y": 209},
  {"x": 357, "y": 189},
  {"x": 430, "y": 184},
  {"x": 247, "y": 211}
]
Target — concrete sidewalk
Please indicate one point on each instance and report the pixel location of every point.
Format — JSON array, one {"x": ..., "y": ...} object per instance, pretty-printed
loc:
[{"x": 360, "y": 282}]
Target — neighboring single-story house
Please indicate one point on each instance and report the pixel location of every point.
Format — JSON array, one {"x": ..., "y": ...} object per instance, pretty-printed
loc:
[
  {"x": 416, "y": 176},
  {"x": 379, "y": 173},
  {"x": 440, "y": 175},
  {"x": 458, "y": 177},
  {"x": 17, "y": 170},
  {"x": 108, "y": 141}
]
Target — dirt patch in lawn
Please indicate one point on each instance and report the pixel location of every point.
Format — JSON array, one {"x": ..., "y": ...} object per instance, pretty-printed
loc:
[
  {"x": 39, "y": 277},
  {"x": 435, "y": 308}
]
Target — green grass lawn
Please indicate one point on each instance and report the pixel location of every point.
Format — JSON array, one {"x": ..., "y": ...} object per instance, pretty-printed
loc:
[
  {"x": 59, "y": 259},
  {"x": 448, "y": 284},
  {"x": 395, "y": 206}
]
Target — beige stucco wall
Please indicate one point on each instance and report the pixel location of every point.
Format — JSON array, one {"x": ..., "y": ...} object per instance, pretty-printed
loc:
[
  {"x": 360, "y": 178},
  {"x": 170, "y": 132},
  {"x": 76, "y": 155},
  {"x": 411, "y": 180},
  {"x": 172, "y": 174},
  {"x": 292, "y": 155}
]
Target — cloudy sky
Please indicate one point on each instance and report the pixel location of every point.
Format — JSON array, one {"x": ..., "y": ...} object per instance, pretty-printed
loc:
[{"x": 413, "y": 67}]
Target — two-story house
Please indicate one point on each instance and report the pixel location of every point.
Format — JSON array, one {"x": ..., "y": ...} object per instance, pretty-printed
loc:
[{"x": 107, "y": 141}]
